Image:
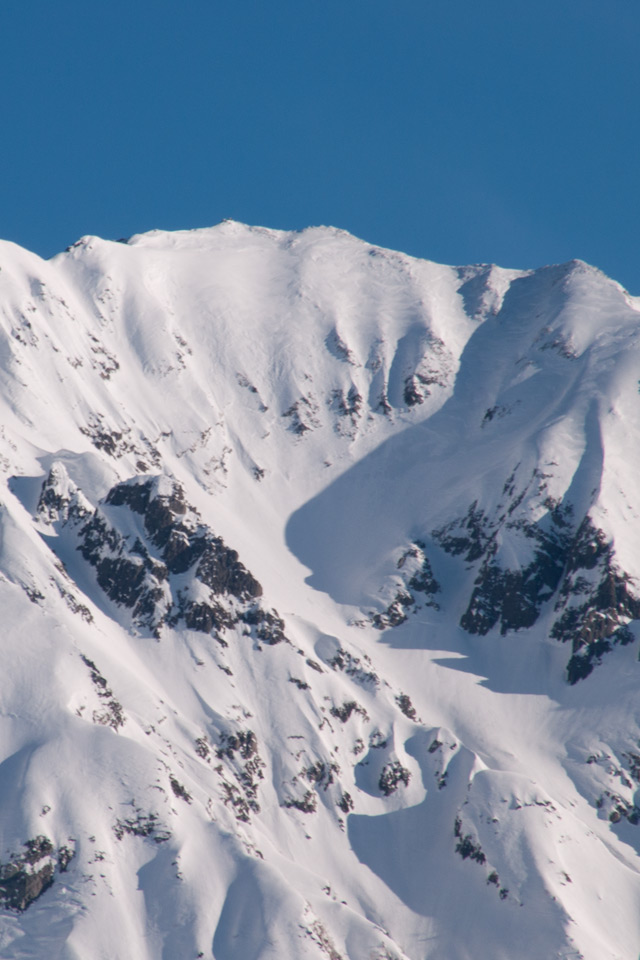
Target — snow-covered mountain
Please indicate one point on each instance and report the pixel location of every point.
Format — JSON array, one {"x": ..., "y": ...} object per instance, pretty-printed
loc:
[{"x": 320, "y": 586}]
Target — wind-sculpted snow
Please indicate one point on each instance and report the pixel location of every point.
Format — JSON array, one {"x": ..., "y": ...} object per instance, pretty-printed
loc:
[
  {"x": 524, "y": 524},
  {"x": 320, "y": 588}
]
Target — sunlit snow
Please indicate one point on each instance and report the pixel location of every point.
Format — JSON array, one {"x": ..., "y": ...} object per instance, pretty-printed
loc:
[{"x": 375, "y": 441}]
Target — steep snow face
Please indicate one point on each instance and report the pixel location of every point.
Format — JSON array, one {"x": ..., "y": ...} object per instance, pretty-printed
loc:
[
  {"x": 319, "y": 578},
  {"x": 519, "y": 473}
]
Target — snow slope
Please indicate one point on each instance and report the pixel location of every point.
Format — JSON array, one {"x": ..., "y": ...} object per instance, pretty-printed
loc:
[{"x": 319, "y": 574}]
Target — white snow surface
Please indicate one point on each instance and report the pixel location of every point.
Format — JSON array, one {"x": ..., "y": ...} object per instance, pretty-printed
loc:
[{"x": 323, "y": 404}]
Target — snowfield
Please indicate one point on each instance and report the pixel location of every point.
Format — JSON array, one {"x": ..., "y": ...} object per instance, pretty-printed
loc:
[{"x": 320, "y": 593}]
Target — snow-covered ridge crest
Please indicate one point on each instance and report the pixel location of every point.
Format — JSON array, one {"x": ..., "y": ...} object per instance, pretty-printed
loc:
[{"x": 319, "y": 576}]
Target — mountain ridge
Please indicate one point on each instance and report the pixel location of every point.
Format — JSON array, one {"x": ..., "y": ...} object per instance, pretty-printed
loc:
[{"x": 288, "y": 524}]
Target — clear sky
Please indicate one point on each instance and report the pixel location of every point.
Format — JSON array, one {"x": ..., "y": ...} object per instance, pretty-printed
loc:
[{"x": 457, "y": 130}]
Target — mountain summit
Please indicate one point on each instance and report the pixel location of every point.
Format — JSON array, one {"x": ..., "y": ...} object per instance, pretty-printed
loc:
[{"x": 320, "y": 580}]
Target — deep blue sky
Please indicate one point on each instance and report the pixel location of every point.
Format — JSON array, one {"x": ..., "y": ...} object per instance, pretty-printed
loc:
[{"x": 459, "y": 131}]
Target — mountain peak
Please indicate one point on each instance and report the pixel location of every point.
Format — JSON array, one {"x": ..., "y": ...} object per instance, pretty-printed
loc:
[{"x": 321, "y": 609}]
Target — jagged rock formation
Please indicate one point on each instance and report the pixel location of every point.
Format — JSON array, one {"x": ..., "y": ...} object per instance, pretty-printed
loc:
[
  {"x": 571, "y": 563},
  {"x": 174, "y": 571}
]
